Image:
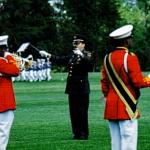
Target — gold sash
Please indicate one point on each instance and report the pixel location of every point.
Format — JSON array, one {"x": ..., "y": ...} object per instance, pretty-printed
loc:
[{"x": 121, "y": 89}]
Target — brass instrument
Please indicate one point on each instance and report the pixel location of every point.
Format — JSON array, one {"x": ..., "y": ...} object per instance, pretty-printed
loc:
[{"x": 23, "y": 63}]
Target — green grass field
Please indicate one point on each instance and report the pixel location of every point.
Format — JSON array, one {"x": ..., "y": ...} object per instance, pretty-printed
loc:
[{"x": 42, "y": 118}]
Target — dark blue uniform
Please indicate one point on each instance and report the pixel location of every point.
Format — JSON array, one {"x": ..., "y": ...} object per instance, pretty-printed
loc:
[{"x": 78, "y": 89}]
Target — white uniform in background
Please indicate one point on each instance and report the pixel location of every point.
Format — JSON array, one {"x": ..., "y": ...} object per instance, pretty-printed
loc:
[
  {"x": 31, "y": 75},
  {"x": 43, "y": 69},
  {"x": 34, "y": 66},
  {"x": 39, "y": 65},
  {"x": 48, "y": 70},
  {"x": 27, "y": 75},
  {"x": 22, "y": 75}
]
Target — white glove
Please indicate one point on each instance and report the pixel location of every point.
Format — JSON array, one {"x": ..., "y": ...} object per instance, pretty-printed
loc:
[
  {"x": 7, "y": 54},
  {"x": 25, "y": 60},
  {"x": 44, "y": 54},
  {"x": 78, "y": 52}
]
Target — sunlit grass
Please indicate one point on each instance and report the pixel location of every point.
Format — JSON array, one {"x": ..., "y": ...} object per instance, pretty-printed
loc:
[{"x": 42, "y": 118}]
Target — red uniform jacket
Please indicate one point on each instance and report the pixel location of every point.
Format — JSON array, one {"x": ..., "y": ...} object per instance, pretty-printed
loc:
[
  {"x": 115, "y": 108},
  {"x": 8, "y": 68}
]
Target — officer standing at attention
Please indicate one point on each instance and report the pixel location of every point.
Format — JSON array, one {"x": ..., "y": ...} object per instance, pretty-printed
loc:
[
  {"x": 121, "y": 80},
  {"x": 8, "y": 68},
  {"x": 79, "y": 64}
]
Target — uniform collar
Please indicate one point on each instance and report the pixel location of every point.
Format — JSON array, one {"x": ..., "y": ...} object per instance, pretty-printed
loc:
[
  {"x": 122, "y": 48},
  {"x": 77, "y": 49}
]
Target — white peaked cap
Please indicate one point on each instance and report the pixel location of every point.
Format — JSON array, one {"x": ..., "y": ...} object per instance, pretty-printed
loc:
[
  {"x": 3, "y": 40},
  {"x": 122, "y": 32}
]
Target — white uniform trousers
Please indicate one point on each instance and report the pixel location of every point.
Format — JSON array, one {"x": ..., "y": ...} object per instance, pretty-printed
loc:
[
  {"x": 6, "y": 120},
  {"x": 124, "y": 134}
]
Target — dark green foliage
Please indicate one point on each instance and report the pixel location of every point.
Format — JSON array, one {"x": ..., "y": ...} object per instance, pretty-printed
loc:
[
  {"x": 52, "y": 27},
  {"x": 28, "y": 21},
  {"x": 94, "y": 19}
]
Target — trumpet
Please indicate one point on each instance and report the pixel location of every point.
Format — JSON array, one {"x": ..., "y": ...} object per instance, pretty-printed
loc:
[{"x": 23, "y": 63}]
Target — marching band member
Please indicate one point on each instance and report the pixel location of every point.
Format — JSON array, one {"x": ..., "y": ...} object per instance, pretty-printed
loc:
[
  {"x": 35, "y": 68},
  {"x": 48, "y": 70},
  {"x": 121, "y": 80},
  {"x": 22, "y": 75},
  {"x": 79, "y": 63},
  {"x": 8, "y": 69},
  {"x": 43, "y": 69},
  {"x": 39, "y": 70}
]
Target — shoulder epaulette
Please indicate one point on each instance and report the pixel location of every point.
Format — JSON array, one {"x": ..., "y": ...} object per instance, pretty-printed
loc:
[{"x": 131, "y": 53}]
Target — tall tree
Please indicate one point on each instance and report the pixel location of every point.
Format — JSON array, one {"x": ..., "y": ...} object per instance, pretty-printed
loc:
[
  {"x": 94, "y": 19},
  {"x": 28, "y": 21},
  {"x": 144, "y": 5},
  {"x": 139, "y": 16},
  {"x": 65, "y": 29}
]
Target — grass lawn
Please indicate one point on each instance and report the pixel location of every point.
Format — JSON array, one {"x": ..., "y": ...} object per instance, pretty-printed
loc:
[{"x": 42, "y": 118}]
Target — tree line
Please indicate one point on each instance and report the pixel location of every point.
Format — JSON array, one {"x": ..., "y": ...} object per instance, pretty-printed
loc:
[{"x": 51, "y": 26}]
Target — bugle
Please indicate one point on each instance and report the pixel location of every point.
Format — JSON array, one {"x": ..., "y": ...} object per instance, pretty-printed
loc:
[{"x": 23, "y": 63}]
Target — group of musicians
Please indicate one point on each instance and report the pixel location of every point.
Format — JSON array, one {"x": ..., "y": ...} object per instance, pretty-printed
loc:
[
  {"x": 40, "y": 70},
  {"x": 120, "y": 83}
]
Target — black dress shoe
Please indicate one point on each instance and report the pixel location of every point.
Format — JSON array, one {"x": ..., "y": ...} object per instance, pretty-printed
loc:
[
  {"x": 80, "y": 137},
  {"x": 83, "y": 137},
  {"x": 75, "y": 137}
]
